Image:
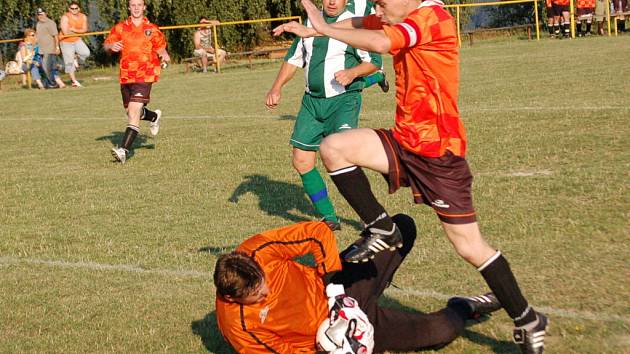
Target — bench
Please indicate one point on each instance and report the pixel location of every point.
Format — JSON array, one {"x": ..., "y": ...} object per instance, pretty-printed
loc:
[
  {"x": 272, "y": 53},
  {"x": 471, "y": 34}
]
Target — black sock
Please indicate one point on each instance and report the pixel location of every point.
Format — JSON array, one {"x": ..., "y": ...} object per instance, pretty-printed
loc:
[
  {"x": 497, "y": 273},
  {"x": 130, "y": 135},
  {"x": 621, "y": 26},
  {"x": 567, "y": 28},
  {"x": 148, "y": 115},
  {"x": 556, "y": 28},
  {"x": 588, "y": 27},
  {"x": 550, "y": 28},
  {"x": 354, "y": 186}
]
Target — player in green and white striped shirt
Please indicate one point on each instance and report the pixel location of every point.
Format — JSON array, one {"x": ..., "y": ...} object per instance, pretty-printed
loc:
[{"x": 334, "y": 73}]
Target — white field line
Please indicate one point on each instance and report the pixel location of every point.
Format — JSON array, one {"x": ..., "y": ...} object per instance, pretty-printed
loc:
[
  {"x": 579, "y": 315},
  {"x": 366, "y": 114}
]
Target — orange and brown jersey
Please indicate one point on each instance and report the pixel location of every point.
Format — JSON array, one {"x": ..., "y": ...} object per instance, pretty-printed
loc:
[
  {"x": 561, "y": 2},
  {"x": 139, "y": 61},
  {"x": 585, "y": 4},
  {"x": 548, "y": 4},
  {"x": 426, "y": 63},
  {"x": 286, "y": 321}
]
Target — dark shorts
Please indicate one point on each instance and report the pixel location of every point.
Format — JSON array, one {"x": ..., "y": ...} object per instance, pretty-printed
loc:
[
  {"x": 559, "y": 9},
  {"x": 136, "y": 92},
  {"x": 443, "y": 183}
]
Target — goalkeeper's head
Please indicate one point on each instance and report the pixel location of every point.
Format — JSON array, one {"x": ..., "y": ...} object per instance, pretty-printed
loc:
[{"x": 239, "y": 278}]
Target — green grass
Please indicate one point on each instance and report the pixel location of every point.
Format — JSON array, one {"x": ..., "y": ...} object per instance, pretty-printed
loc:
[{"x": 101, "y": 257}]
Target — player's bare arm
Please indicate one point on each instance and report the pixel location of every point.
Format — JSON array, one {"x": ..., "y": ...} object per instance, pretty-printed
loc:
[
  {"x": 345, "y": 77},
  {"x": 370, "y": 40},
  {"x": 302, "y": 31},
  {"x": 114, "y": 47},
  {"x": 164, "y": 55},
  {"x": 286, "y": 73}
]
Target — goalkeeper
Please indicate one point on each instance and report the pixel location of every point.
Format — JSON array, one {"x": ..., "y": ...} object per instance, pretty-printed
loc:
[{"x": 268, "y": 303}]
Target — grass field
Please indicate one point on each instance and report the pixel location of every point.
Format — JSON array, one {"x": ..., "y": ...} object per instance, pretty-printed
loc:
[{"x": 101, "y": 257}]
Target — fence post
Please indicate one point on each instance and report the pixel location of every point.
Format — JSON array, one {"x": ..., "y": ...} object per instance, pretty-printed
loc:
[
  {"x": 572, "y": 19},
  {"x": 608, "y": 15},
  {"x": 537, "y": 21},
  {"x": 217, "y": 65},
  {"x": 459, "y": 35}
]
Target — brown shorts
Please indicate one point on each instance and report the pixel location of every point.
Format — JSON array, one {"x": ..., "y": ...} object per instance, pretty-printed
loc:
[
  {"x": 443, "y": 183},
  {"x": 559, "y": 9},
  {"x": 136, "y": 92}
]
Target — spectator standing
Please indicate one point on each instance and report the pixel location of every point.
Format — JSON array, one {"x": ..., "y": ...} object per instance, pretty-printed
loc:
[
  {"x": 141, "y": 44},
  {"x": 561, "y": 14},
  {"x": 73, "y": 22},
  {"x": 619, "y": 8},
  {"x": 48, "y": 39},
  {"x": 204, "y": 48},
  {"x": 600, "y": 15},
  {"x": 585, "y": 9}
]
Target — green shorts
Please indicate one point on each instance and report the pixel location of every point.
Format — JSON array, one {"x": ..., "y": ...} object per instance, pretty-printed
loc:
[{"x": 320, "y": 117}]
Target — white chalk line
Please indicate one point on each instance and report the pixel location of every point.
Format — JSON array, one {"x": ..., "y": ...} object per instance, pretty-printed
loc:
[
  {"x": 7, "y": 260},
  {"x": 366, "y": 114}
]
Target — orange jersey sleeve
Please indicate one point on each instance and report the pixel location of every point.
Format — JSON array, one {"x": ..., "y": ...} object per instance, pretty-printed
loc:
[
  {"x": 139, "y": 61},
  {"x": 287, "y": 320},
  {"x": 296, "y": 240}
]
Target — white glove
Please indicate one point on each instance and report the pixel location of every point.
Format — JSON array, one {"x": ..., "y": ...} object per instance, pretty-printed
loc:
[{"x": 348, "y": 329}]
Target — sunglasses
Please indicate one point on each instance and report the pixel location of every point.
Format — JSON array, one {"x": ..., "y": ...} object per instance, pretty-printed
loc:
[
  {"x": 32, "y": 35},
  {"x": 74, "y": 8}
]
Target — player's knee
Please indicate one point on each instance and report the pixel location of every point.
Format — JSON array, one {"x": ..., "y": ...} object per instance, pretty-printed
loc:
[
  {"x": 330, "y": 148},
  {"x": 303, "y": 164}
]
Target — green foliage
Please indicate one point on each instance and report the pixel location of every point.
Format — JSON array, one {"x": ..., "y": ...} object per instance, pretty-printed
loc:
[{"x": 103, "y": 14}]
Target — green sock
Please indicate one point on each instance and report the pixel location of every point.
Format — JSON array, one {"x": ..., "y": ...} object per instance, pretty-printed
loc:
[
  {"x": 373, "y": 79},
  {"x": 315, "y": 188}
]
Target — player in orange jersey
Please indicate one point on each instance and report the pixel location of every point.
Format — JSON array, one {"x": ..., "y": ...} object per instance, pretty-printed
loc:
[
  {"x": 426, "y": 148},
  {"x": 141, "y": 46},
  {"x": 561, "y": 15},
  {"x": 585, "y": 10},
  {"x": 269, "y": 303}
]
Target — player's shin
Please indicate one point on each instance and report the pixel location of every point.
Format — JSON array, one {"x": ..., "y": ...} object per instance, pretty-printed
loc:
[
  {"x": 353, "y": 184},
  {"x": 316, "y": 190}
]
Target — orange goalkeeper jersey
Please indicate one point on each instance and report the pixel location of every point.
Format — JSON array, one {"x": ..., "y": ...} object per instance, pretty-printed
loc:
[
  {"x": 426, "y": 62},
  {"x": 287, "y": 320},
  {"x": 139, "y": 61}
]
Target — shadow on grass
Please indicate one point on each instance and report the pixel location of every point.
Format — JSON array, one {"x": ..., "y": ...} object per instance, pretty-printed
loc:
[
  {"x": 208, "y": 331},
  {"x": 287, "y": 117},
  {"x": 139, "y": 143},
  {"x": 278, "y": 198},
  {"x": 493, "y": 345}
]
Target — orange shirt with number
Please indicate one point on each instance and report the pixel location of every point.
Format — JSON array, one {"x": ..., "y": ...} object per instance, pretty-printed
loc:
[
  {"x": 426, "y": 62},
  {"x": 139, "y": 62},
  {"x": 286, "y": 321}
]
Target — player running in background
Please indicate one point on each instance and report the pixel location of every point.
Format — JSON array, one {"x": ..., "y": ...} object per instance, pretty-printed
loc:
[
  {"x": 139, "y": 43},
  {"x": 334, "y": 73},
  {"x": 425, "y": 150},
  {"x": 267, "y": 302}
]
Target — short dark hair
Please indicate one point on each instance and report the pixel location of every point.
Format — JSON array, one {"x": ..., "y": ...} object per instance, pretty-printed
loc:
[
  {"x": 237, "y": 275},
  {"x": 74, "y": 3},
  {"x": 202, "y": 18}
]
